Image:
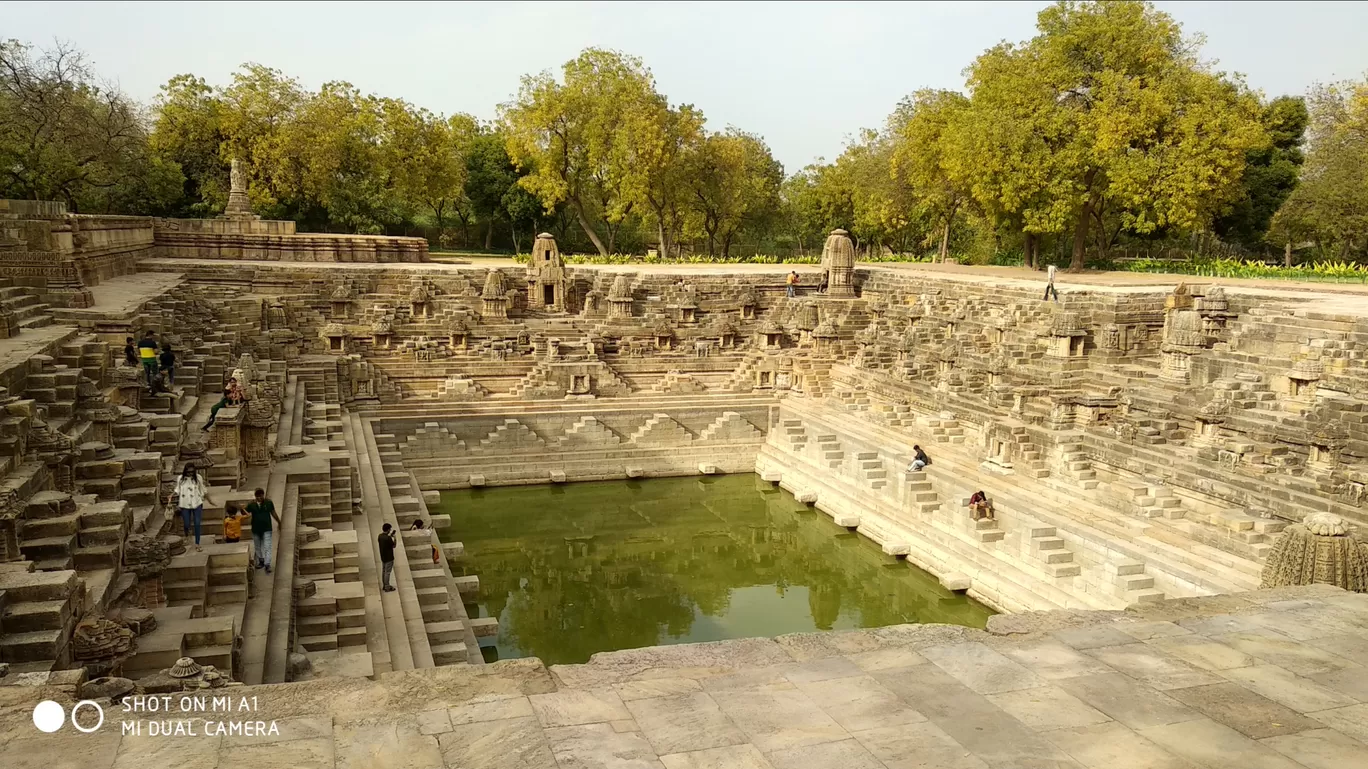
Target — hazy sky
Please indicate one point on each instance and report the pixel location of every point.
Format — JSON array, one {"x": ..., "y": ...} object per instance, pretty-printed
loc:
[{"x": 805, "y": 76}]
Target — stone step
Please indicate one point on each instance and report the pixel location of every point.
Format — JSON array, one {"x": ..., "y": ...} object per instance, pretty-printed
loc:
[
  {"x": 32, "y": 616},
  {"x": 453, "y": 653},
  {"x": 319, "y": 643},
  {"x": 351, "y": 636},
  {"x": 222, "y": 595},
  {"x": 350, "y": 618},
  {"x": 445, "y": 632},
  {"x": 432, "y": 596},
  {"x": 32, "y": 646}
]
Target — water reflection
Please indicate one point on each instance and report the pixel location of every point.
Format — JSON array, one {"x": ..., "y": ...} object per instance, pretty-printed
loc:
[{"x": 582, "y": 568}]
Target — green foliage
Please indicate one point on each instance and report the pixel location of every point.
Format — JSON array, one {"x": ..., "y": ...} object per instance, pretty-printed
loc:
[
  {"x": 1270, "y": 173},
  {"x": 66, "y": 136},
  {"x": 1330, "y": 205},
  {"x": 1335, "y": 272}
]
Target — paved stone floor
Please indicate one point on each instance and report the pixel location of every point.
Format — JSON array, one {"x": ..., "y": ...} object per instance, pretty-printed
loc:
[{"x": 1266, "y": 680}]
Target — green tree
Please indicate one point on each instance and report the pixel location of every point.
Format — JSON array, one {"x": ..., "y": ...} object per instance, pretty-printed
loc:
[
  {"x": 424, "y": 156},
  {"x": 585, "y": 137},
  {"x": 1127, "y": 121},
  {"x": 1270, "y": 173},
  {"x": 1330, "y": 204},
  {"x": 66, "y": 136},
  {"x": 923, "y": 160},
  {"x": 666, "y": 190},
  {"x": 735, "y": 184},
  {"x": 490, "y": 173},
  {"x": 188, "y": 131}
]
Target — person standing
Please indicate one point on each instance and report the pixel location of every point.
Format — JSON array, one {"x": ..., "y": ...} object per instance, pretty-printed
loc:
[
  {"x": 147, "y": 353},
  {"x": 191, "y": 494},
  {"x": 168, "y": 363},
  {"x": 262, "y": 511},
  {"x": 130, "y": 355},
  {"x": 386, "y": 557},
  {"x": 1049, "y": 284},
  {"x": 792, "y": 282}
]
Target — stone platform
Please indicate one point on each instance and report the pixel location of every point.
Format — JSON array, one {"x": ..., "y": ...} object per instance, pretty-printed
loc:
[{"x": 1272, "y": 679}]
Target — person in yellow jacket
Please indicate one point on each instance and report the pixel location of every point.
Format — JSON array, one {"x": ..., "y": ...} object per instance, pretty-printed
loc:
[
  {"x": 232, "y": 524},
  {"x": 791, "y": 282}
]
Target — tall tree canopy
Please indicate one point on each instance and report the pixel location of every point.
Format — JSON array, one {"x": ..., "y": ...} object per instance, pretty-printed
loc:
[
  {"x": 1330, "y": 204},
  {"x": 66, "y": 136},
  {"x": 1125, "y": 120}
]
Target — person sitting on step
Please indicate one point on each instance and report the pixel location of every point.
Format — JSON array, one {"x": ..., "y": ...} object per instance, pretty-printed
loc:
[
  {"x": 919, "y": 459},
  {"x": 979, "y": 506}
]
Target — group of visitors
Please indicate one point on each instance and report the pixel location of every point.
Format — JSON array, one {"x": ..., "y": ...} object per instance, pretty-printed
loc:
[
  {"x": 158, "y": 361},
  {"x": 192, "y": 493},
  {"x": 791, "y": 283},
  {"x": 980, "y": 507},
  {"x": 387, "y": 543}
]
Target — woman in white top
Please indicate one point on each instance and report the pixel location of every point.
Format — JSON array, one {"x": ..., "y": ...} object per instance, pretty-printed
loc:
[{"x": 191, "y": 494}]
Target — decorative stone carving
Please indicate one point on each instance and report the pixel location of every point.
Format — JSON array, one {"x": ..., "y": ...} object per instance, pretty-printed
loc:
[
  {"x": 54, "y": 449},
  {"x": 106, "y": 688},
  {"x": 239, "y": 206},
  {"x": 494, "y": 297},
  {"x": 1318, "y": 550},
  {"x": 185, "y": 667},
  {"x": 337, "y": 336},
  {"x": 771, "y": 334},
  {"x": 838, "y": 260},
  {"x": 147, "y": 555},
  {"x": 620, "y": 298},
  {"x": 545, "y": 276},
  {"x": 746, "y": 303},
  {"x": 97, "y": 638}
]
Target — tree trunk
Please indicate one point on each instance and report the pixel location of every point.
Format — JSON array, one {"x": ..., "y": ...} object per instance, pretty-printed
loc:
[
  {"x": 584, "y": 223},
  {"x": 517, "y": 249},
  {"x": 1287, "y": 254},
  {"x": 489, "y": 234},
  {"x": 1080, "y": 240},
  {"x": 945, "y": 241},
  {"x": 726, "y": 245},
  {"x": 1028, "y": 242},
  {"x": 664, "y": 242}
]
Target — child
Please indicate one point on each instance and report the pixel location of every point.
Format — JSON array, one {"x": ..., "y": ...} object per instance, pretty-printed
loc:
[
  {"x": 130, "y": 356},
  {"x": 232, "y": 524}
]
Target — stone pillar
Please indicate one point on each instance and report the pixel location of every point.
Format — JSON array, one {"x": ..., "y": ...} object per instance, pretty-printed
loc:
[
  {"x": 838, "y": 260},
  {"x": 494, "y": 299}
]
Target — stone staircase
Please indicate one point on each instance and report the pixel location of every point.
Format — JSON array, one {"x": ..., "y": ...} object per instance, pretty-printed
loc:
[
  {"x": 871, "y": 467},
  {"x": 38, "y": 610},
  {"x": 28, "y": 311}
]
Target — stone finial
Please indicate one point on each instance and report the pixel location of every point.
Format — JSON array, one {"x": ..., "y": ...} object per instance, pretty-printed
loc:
[
  {"x": 342, "y": 293},
  {"x": 493, "y": 286},
  {"x": 383, "y": 327},
  {"x": 825, "y": 330},
  {"x": 621, "y": 289},
  {"x": 839, "y": 250},
  {"x": 419, "y": 294},
  {"x": 185, "y": 667}
]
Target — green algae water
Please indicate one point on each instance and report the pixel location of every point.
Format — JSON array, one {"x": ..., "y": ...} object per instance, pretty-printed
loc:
[{"x": 572, "y": 570}]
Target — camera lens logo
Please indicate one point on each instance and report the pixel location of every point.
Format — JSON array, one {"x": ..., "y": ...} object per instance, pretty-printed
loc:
[{"x": 49, "y": 716}]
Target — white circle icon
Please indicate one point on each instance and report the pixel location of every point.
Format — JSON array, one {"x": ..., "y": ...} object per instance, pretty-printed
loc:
[
  {"x": 84, "y": 703},
  {"x": 48, "y": 716}
]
